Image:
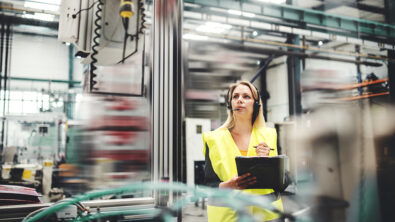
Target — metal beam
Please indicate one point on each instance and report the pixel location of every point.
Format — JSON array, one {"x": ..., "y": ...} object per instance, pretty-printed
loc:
[
  {"x": 33, "y": 22},
  {"x": 306, "y": 18},
  {"x": 269, "y": 51},
  {"x": 45, "y": 80},
  {"x": 25, "y": 33},
  {"x": 328, "y": 5}
]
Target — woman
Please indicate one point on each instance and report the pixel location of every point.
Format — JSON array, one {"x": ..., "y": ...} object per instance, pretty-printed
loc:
[{"x": 243, "y": 133}]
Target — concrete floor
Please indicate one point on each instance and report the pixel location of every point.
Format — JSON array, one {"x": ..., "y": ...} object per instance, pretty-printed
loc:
[{"x": 193, "y": 213}]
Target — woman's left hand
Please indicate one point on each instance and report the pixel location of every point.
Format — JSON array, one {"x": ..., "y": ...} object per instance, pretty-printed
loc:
[{"x": 262, "y": 149}]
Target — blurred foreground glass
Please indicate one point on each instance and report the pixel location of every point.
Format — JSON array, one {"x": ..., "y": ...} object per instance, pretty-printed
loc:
[
  {"x": 110, "y": 144},
  {"x": 341, "y": 161}
]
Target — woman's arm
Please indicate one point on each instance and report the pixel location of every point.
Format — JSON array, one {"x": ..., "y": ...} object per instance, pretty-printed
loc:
[{"x": 212, "y": 180}]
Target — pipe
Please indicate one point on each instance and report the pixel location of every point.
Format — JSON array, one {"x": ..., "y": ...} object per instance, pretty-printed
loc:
[
  {"x": 267, "y": 61},
  {"x": 298, "y": 54},
  {"x": 73, "y": 82},
  {"x": 294, "y": 46},
  {"x": 352, "y": 98},
  {"x": 33, "y": 22}
]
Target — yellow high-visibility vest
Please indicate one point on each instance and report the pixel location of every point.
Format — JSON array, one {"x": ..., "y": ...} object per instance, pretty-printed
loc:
[{"x": 222, "y": 153}]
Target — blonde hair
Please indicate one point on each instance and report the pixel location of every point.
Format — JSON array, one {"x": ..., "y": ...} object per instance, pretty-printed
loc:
[{"x": 230, "y": 121}]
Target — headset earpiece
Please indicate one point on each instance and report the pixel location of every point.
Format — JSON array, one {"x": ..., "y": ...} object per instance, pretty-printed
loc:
[{"x": 257, "y": 106}]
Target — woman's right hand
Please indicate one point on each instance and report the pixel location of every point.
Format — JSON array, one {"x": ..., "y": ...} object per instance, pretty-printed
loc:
[{"x": 239, "y": 182}]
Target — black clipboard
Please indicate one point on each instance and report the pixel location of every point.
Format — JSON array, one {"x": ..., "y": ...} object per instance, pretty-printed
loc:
[{"x": 269, "y": 171}]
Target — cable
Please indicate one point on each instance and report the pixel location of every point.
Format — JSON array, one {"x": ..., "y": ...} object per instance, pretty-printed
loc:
[
  {"x": 33, "y": 213},
  {"x": 96, "y": 44},
  {"x": 234, "y": 200},
  {"x": 125, "y": 22},
  {"x": 85, "y": 9},
  {"x": 134, "y": 52},
  {"x": 143, "y": 20},
  {"x": 139, "y": 30},
  {"x": 126, "y": 12}
]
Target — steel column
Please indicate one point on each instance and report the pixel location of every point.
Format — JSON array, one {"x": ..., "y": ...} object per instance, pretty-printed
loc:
[
  {"x": 390, "y": 19},
  {"x": 166, "y": 92},
  {"x": 294, "y": 94},
  {"x": 384, "y": 144},
  {"x": 69, "y": 110},
  {"x": 6, "y": 42},
  {"x": 1, "y": 76},
  {"x": 391, "y": 75}
]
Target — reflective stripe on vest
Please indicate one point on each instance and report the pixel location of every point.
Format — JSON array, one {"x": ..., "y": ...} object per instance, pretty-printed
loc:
[{"x": 219, "y": 203}]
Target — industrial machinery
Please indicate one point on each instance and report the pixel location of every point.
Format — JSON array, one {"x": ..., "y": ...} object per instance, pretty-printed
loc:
[
  {"x": 109, "y": 35},
  {"x": 17, "y": 195},
  {"x": 33, "y": 144}
]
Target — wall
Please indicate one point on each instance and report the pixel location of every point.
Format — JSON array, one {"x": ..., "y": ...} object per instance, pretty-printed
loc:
[
  {"x": 194, "y": 129},
  {"x": 277, "y": 86},
  {"x": 41, "y": 57}
]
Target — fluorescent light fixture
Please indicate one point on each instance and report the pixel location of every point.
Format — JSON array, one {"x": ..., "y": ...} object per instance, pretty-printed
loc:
[
  {"x": 274, "y": 1},
  {"x": 213, "y": 27},
  {"x": 40, "y": 16},
  {"x": 52, "y": 2},
  {"x": 42, "y": 6},
  {"x": 234, "y": 12},
  {"x": 246, "y": 14},
  {"x": 194, "y": 37}
]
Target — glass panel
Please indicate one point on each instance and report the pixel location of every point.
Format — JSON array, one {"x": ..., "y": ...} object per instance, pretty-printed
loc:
[
  {"x": 30, "y": 107},
  {"x": 30, "y": 96},
  {"x": 15, "y": 107}
]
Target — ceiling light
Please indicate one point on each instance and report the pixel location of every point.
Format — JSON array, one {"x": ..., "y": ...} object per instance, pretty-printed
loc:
[
  {"x": 234, "y": 12},
  {"x": 213, "y": 27},
  {"x": 274, "y": 1},
  {"x": 320, "y": 43},
  {"x": 254, "y": 33},
  {"x": 245, "y": 14},
  {"x": 194, "y": 37},
  {"x": 248, "y": 14},
  {"x": 40, "y": 16},
  {"x": 52, "y": 2},
  {"x": 41, "y": 6}
]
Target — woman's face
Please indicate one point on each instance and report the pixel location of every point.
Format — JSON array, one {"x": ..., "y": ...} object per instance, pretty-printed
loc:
[{"x": 242, "y": 100}]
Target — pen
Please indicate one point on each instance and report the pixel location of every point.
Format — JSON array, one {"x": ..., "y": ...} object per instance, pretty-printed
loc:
[{"x": 257, "y": 146}]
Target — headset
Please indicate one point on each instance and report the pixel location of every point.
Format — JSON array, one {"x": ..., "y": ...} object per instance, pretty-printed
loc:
[{"x": 256, "y": 105}]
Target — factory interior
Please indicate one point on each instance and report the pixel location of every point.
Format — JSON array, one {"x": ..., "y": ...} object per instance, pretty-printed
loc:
[{"x": 104, "y": 105}]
